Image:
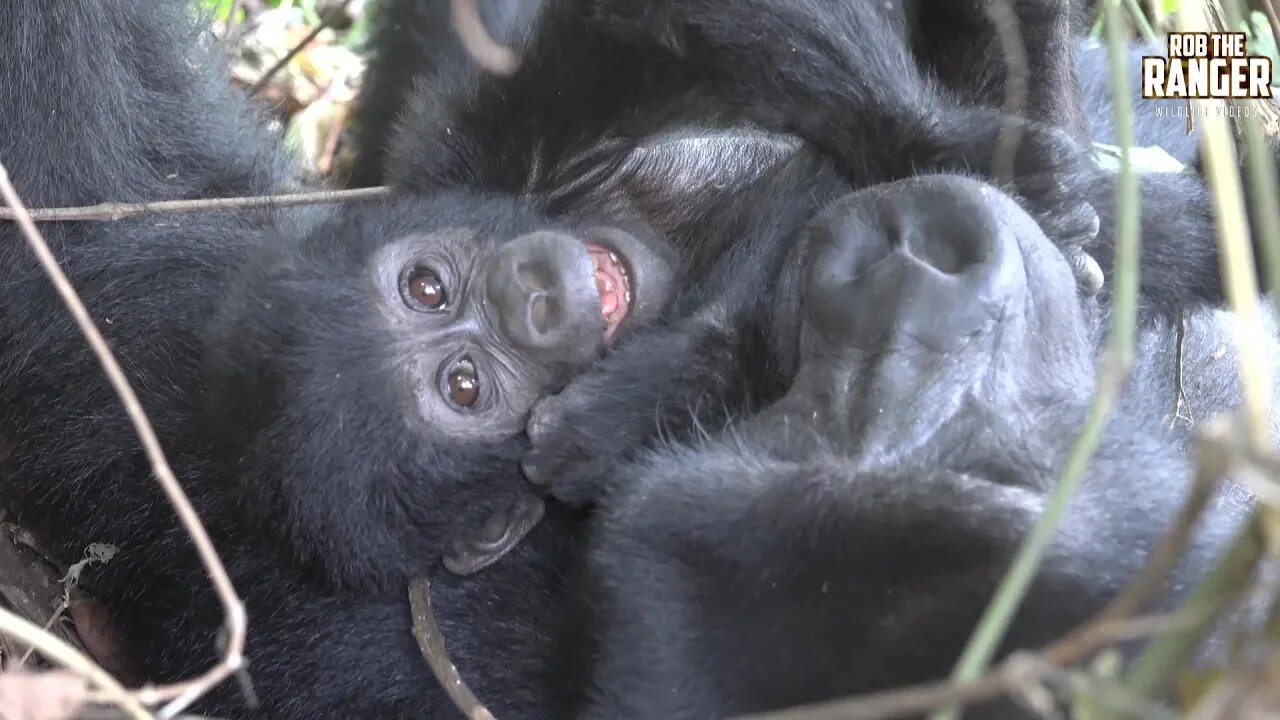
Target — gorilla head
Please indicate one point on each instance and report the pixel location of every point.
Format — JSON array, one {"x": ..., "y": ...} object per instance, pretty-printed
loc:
[
  {"x": 427, "y": 329},
  {"x": 868, "y": 515},
  {"x": 975, "y": 309}
]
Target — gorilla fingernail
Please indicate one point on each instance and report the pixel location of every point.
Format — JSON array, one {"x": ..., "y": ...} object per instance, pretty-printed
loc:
[
  {"x": 533, "y": 473},
  {"x": 1088, "y": 273},
  {"x": 1095, "y": 226}
]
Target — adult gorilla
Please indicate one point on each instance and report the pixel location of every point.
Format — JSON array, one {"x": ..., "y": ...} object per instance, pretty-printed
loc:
[
  {"x": 881, "y": 498},
  {"x": 413, "y": 42},
  {"x": 849, "y": 536},
  {"x": 344, "y": 392},
  {"x": 472, "y": 129}
]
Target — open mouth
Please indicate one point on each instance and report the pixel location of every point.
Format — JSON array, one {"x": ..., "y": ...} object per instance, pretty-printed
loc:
[{"x": 614, "y": 283}]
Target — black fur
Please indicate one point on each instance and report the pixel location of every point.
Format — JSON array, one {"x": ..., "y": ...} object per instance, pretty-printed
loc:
[
  {"x": 409, "y": 40},
  {"x": 413, "y": 41},
  {"x": 277, "y": 388},
  {"x": 250, "y": 341},
  {"x": 800, "y": 68},
  {"x": 848, "y": 537}
]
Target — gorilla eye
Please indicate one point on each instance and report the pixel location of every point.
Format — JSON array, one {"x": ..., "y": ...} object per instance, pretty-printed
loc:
[
  {"x": 426, "y": 290},
  {"x": 464, "y": 386}
]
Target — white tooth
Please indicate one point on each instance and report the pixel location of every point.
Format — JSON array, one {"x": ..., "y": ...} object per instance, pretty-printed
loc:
[{"x": 627, "y": 295}]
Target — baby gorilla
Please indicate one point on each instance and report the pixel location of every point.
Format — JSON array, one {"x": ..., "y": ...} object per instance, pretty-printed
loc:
[
  {"x": 479, "y": 307},
  {"x": 847, "y": 538}
]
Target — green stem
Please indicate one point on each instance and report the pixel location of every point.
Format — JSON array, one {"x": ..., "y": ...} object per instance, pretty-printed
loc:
[
  {"x": 1153, "y": 671},
  {"x": 1144, "y": 25},
  {"x": 1117, "y": 361}
]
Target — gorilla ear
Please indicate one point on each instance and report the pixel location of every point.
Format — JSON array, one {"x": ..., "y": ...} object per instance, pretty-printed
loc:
[{"x": 499, "y": 535}]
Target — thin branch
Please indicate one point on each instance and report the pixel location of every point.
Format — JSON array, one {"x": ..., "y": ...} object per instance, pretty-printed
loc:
[
  {"x": 330, "y": 151},
  {"x": 1239, "y": 273},
  {"x": 1260, "y": 161},
  {"x": 328, "y": 19},
  {"x": 1269, "y": 9},
  {"x": 1140, "y": 19},
  {"x": 486, "y": 51},
  {"x": 1020, "y": 673},
  {"x": 1115, "y": 366},
  {"x": 113, "y": 211},
  {"x": 896, "y": 703},
  {"x": 229, "y": 26},
  {"x": 1005, "y": 20},
  {"x": 54, "y": 617},
  {"x": 431, "y": 642},
  {"x": 1179, "y": 371},
  {"x": 234, "y": 620}
]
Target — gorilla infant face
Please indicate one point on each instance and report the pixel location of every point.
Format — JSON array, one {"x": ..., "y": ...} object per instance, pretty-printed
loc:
[
  {"x": 426, "y": 329},
  {"x": 501, "y": 316}
]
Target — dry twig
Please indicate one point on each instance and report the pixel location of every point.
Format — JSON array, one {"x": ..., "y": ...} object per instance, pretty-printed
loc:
[
  {"x": 113, "y": 211},
  {"x": 179, "y": 695},
  {"x": 1114, "y": 367},
  {"x": 431, "y": 642},
  {"x": 1239, "y": 275},
  {"x": 229, "y": 26},
  {"x": 1005, "y": 20},
  {"x": 68, "y": 657}
]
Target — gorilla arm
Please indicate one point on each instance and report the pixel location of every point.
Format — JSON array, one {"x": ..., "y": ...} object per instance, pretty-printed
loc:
[{"x": 865, "y": 104}]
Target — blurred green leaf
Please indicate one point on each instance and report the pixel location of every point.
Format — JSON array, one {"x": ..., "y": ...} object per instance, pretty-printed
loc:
[{"x": 1262, "y": 41}]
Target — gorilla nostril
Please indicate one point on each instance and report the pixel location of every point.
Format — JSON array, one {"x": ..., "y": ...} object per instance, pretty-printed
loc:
[
  {"x": 541, "y": 296},
  {"x": 939, "y": 259},
  {"x": 947, "y": 255},
  {"x": 534, "y": 276},
  {"x": 540, "y": 312},
  {"x": 950, "y": 247}
]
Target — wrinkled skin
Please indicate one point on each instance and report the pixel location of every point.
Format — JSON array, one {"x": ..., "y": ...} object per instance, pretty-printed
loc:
[{"x": 869, "y": 513}]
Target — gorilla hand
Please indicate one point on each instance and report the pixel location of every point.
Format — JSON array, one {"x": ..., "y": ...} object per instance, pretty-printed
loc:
[
  {"x": 1047, "y": 170},
  {"x": 875, "y": 114},
  {"x": 616, "y": 410}
]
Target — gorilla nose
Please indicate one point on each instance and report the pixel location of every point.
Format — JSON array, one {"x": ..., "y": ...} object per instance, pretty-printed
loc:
[
  {"x": 930, "y": 260},
  {"x": 542, "y": 296}
]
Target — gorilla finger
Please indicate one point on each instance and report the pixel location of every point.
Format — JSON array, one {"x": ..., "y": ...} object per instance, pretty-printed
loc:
[
  {"x": 1087, "y": 271},
  {"x": 582, "y": 484},
  {"x": 499, "y": 535},
  {"x": 1070, "y": 225},
  {"x": 544, "y": 418},
  {"x": 1090, "y": 221},
  {"x": 538, "y": 468}
]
